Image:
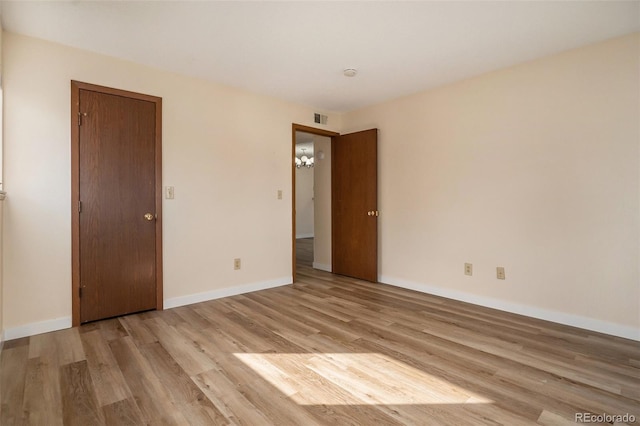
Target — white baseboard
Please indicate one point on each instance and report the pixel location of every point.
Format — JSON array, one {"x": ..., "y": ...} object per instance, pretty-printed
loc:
[
  {"x": 37, "y": 328},
  {"x": 65, "y": 322},
  {"x": 322, "y": 266},
  {"x": 298, "y": 236},
  {"x": 174, "y": 302},
  {"x": 531, "y": 311}
]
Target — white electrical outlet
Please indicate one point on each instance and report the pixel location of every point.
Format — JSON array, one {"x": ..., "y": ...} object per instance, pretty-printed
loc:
[
  {"x": 237, "y": 263},
  {"x": 500, "y": 273},
  {"x": 279, "y": 194},
  {"x": 468, "y": 269}
]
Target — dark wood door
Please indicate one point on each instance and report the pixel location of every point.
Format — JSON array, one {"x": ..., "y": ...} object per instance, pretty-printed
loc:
[
  {"x": 354, "y": 218},
  {"x": 117, "y": 188}
]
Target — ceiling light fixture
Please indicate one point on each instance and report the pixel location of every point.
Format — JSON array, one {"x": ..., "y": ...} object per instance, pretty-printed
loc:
[
  {"x": 304, "y": 160},
  {"x": 350, "y": 72}
]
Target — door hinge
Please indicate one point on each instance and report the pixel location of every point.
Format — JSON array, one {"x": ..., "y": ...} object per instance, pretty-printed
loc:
[
  {"x": 80, "y": 291},
  {"x": 79, "y": 206}
]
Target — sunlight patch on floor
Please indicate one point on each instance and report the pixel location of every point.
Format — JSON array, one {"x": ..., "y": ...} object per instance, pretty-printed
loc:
[{"x": 354, "y": 379}]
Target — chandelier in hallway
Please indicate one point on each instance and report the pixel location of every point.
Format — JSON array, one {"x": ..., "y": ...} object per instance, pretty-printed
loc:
[{"x": 304, "y": 161}]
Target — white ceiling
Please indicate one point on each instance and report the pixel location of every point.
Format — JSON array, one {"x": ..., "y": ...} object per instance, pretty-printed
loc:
[{"x": 297, "y": 50}]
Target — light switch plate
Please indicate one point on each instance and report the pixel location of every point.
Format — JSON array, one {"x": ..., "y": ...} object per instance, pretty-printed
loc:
[{"x": 169, "y": 192}]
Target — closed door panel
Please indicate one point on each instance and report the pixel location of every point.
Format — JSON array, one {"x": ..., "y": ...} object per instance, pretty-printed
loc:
[
  {"x": 354, "y": 218},
  {"x": 117, "y": 188}
]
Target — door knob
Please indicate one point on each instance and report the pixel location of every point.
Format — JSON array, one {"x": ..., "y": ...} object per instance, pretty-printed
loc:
[{"x": 149, "y": 216}]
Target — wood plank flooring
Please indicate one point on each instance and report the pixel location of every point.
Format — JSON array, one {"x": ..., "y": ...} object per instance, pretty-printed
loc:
[
  {"x": 304, "y": 252},
  {"x": 327, "y": 350}
]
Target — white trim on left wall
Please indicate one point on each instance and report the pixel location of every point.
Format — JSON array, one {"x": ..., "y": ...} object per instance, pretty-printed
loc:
[
  {"x": 65, "y": 322},
  {"x": 37, "y": 328}
]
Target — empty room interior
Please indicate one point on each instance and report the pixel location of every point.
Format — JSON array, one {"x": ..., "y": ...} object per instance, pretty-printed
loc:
[{"x": 319, "y": 213}]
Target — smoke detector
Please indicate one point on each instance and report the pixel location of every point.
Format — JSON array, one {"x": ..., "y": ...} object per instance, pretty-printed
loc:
[{"x": 350, "y": 72}]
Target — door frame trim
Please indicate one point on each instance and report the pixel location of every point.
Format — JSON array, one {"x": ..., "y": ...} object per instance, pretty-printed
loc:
[
  {"x": 76, "y": 86},
  {"x": 314, "y": 131}
]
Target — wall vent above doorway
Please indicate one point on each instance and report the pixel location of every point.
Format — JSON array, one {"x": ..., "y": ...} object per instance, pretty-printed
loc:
[{"x": 320, "y": 119}]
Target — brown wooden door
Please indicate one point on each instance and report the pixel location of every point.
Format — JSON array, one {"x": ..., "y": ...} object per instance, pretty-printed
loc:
[
  {"x": 354, "y": 218},
  {"x": 117, "y": 188}
]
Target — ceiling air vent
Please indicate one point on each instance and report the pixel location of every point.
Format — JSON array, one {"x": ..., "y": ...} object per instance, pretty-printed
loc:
[{"x": 320, "y": 119}]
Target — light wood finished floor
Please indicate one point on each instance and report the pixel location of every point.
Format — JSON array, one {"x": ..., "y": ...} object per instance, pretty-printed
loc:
[
  {"x": 304, "y": 252},
  {"x": 326, "y": 350}
]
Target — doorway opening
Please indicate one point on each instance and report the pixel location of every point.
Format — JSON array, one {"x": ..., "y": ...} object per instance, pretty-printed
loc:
[
  {"x": 352, "y": 194},
  {"x": 313, "y": 201},
  {"x": 311, "y": 247}
]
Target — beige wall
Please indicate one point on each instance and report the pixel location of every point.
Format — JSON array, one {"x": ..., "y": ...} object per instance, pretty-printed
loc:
[
  {"x": 1, "y": 199},
  {"x": 534, "y": 168},
  {"x": 304, "y": 202},
  {"x": 322, "y": 204},
  {"x": 227, "y": 153},
  {"x": 1, "y": 287},
  {"x": 1, "y": 126}
]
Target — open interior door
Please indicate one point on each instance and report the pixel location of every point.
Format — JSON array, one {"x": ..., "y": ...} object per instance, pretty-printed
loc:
[{"x": 355, "y": 205}]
